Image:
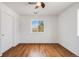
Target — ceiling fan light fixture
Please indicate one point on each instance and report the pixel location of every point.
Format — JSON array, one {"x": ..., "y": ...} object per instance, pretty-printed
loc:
[{"x": 38, "y": 4}]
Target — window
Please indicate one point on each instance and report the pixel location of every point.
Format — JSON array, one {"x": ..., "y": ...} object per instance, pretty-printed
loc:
[{"x": 37, "y": 26}]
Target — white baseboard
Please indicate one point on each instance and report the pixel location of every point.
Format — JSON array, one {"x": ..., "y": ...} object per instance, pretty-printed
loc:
[
  {"x": 15, "y": 45},
  {"x": 69, "y": 49}
]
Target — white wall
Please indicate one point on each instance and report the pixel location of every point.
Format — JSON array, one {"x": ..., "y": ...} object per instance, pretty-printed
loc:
[
  {"x": 15, "y": 30},
  {"x": 0, "y": 30},
  {"x": 12, "y": 19},
  {"x": 49, "y": 36},
  {"x": 68, "y": 29}
]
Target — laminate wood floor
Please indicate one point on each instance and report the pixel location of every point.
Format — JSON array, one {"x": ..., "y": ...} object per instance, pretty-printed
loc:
[{"x": 38, "y": 50}]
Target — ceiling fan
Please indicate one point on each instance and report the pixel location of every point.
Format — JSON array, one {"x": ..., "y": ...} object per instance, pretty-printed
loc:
[{"x": 37, "y": 4}]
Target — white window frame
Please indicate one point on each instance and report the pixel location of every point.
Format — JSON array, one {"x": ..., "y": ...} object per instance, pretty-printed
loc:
[{"x": 78, "y": 22}]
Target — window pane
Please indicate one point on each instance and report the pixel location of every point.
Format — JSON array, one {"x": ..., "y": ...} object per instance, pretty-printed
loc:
[{"x": 37, "y": 26}]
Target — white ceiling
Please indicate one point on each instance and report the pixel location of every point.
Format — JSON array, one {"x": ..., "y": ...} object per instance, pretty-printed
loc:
[{"x": 51, "y": 8}]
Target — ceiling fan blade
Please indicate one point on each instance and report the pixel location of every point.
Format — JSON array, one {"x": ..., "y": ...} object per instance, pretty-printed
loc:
[
  {"x": 42, "y": 4},
  {"x": 32, "y": 3},
  {"x": 36, "y": 7}
]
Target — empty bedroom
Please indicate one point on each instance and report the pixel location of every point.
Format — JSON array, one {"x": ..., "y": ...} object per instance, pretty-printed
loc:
[{"x": 39, "y": 29}]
